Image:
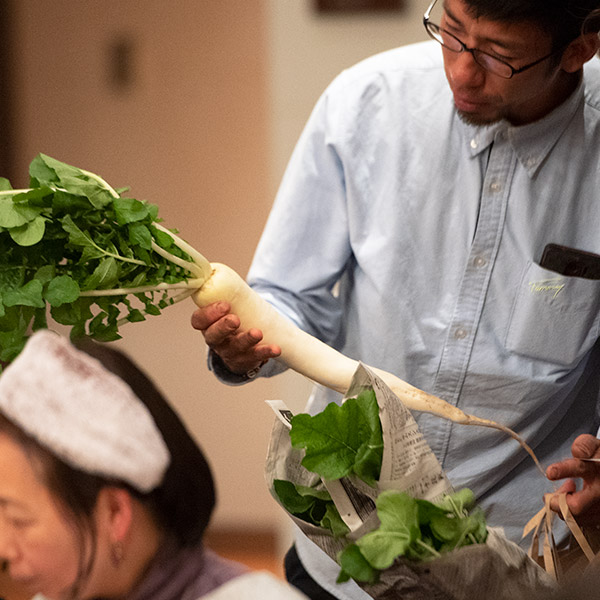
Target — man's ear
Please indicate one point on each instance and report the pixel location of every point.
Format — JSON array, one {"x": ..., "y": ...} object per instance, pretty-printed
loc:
[
  {"x": 115, "y": 510},
  {"x": 579, "y": 51}
]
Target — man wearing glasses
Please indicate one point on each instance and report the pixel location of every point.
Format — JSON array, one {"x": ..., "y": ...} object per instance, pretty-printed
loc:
[{"x": 440, "y": 219}]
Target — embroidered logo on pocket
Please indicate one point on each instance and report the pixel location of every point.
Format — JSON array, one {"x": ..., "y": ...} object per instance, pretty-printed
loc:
[{"x": 551, "y": 287}]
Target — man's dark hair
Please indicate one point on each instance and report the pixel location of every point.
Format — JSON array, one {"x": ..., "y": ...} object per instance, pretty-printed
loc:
[{"x": 564, "y": 20}]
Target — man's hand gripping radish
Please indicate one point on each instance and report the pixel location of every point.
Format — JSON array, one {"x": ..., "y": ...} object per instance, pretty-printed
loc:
[{"x": 241, "y": 351}]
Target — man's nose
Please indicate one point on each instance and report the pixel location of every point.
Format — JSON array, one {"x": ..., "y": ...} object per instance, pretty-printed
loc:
[{"x": 465, "y": 72}]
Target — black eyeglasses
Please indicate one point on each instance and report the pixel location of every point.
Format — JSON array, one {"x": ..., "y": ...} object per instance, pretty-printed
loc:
[{"x": 483, "y": 59}]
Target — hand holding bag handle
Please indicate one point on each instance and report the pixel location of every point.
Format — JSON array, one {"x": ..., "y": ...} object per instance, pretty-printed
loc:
[{"x": 557, "y": 562}]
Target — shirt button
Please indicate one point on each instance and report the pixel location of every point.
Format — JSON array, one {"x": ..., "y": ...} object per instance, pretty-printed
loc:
[
  {"x": 479, "y": 261},
  {"x": 474, "y": 143},
  {"x": 495, "y": 186},
  {"x": 460, "y": 333},
  {"x": 531, "y": 161}
]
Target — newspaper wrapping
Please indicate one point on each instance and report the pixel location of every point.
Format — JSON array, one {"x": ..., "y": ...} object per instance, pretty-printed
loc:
[{"x": 496, "y": 570}]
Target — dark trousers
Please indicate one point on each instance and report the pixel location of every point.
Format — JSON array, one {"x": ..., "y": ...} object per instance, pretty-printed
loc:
[{"x": 297, "y": 576}]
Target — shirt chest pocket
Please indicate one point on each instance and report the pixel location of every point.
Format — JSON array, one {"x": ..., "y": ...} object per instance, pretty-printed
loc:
[{"x": 554, "y": 318}]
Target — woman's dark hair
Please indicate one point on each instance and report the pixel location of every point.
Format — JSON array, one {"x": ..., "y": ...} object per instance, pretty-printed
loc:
[
  {"x": 564, "y": 20},
  {"x": 182, "y": 504}
]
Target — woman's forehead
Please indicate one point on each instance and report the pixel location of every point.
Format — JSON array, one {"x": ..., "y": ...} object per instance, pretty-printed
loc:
[{"x": 18, "y": 478}]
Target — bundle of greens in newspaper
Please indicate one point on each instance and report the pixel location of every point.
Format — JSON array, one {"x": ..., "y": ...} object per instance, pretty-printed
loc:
[
  {"x": 362, "y": 483},
  {"x": 81, "y": 253}
]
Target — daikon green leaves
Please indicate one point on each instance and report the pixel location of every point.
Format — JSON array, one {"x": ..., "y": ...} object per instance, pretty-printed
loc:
[
  {"x": 415, "y": 529},
  {"x": 68, "y": 239},
  {"x": 342, "y": 439},
  {"x": 311, "y": 505}
]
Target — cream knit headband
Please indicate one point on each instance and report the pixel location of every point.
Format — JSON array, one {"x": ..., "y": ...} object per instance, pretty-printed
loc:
[{"x": 82, "y": 413}]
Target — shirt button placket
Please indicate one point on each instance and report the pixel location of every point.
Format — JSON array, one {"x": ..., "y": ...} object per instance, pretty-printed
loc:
[{"x": 470, "y": 300}]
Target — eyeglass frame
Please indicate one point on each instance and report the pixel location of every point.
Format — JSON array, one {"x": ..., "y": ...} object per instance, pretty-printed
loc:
[{"x": 475, "y": 51}]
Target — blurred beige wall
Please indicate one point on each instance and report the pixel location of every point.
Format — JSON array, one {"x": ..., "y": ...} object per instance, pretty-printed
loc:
[{"x": 200, "y": 119}]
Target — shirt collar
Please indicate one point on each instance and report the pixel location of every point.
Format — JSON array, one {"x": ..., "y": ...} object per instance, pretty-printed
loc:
[{"x": 533, "y": 142}]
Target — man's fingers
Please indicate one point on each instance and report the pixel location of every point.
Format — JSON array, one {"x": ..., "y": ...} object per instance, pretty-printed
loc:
[
  {"x": 580, "y": 501},
  {"x": 245, "y": 347},
  {"x": 567, "y": 487},
  {"x": 222, "y": 332},
  {"x": 570, "y": 467},
  {"x": 240, "y": 350},
  {"x": 203, "y": 318},
  {"x": 586, "y": 446}
]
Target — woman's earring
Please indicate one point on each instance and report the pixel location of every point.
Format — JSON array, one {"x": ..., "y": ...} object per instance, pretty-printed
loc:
[{"x": 116, "y": 553}]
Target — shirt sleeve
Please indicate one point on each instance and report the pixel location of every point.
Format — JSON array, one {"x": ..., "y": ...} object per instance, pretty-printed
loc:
[{"x": 305, "y": 246}]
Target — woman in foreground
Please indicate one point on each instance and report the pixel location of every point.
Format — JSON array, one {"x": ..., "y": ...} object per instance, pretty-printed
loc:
[{"x": 103, "y": 492}]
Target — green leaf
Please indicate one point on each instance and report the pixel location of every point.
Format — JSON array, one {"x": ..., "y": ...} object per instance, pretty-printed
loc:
[
  {"x": 35, "y": 198},
  {"x": 458, "y": 502},
  {"x": 153, "y": 310},
  {"x": 29, "y": 294},
  {"x": 103, "y": 327},
  {"x": 40, "y": 320},
  {"x": 355, "y": 565},
  {"x": 30, "y": 233},
  {"x": 399, "y": 517},
  {"x": 77, "y": 237},
  {"x": 62, "y": 290},
  {"x": 41, "y": 172},
  {"x": 105, "y": 275},
  {"x": 290, "y": 497},
  {"x": 11, "y": 344},
  {"x": 129, "y": 210},
  {"x": 74, "y": 314},
  {"x": 164, "y": 240},
  {"x": 311, "y": 505},
  {"x": 135, "y": 315},
  {"x": 333, "y": 521},
  {"x": 63, "y": 202},
  {"x": 15, "y": 215},
  {"x": 5, "y": 184},
  {"x": 91, "y": 253},
  {"x": 49, "y": 171},
  {"x": 342, "y": 439},
  {"x": 46, "y": 273},
  {"x": 11, "y": 277},
  {"x": 139, "y": 235}
]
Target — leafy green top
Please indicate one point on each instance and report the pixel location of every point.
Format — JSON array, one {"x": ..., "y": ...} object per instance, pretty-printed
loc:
[
  {"x": 348, "y": 439},
  {"x": 342, "y": 439},
  {"x": 415, "y": 529},
  {"x": 73, "y": 243}
]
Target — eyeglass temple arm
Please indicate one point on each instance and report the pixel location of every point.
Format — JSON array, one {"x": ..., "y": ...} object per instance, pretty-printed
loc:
[{"x": 428, "y": 12}]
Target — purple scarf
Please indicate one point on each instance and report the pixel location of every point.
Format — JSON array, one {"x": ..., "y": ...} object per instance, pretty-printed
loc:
[{"x": 185, "y": 574}]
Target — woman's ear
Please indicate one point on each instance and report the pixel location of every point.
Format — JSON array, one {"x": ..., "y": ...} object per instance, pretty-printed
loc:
[
  {"x": 579, "y": 51},
  {"x": 115, "y": 513}
]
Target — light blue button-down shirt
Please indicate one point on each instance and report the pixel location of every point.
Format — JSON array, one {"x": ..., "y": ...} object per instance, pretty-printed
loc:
[{"x": 411, "y": 240}]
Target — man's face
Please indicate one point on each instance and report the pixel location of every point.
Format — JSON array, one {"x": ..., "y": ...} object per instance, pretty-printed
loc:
[{"x": 483, "y": 98}]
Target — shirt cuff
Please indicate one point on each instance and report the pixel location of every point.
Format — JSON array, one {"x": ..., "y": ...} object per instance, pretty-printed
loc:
[{"x": 219, "y": 368}]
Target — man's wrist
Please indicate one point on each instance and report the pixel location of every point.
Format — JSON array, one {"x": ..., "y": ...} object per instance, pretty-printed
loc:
[{"x": 222, "y": 371}]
